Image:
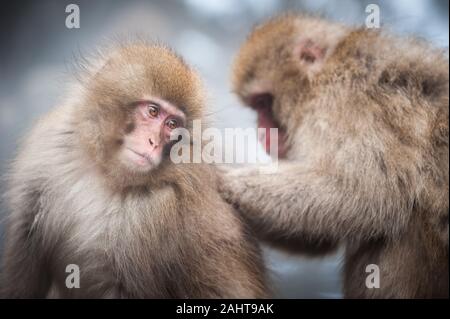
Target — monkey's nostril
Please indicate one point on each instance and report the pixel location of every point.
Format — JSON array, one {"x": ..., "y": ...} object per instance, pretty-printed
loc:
[{"x": 150, "y": 141}]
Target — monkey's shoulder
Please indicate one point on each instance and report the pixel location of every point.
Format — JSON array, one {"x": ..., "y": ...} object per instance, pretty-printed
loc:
[{"x": 366, "y": 51}]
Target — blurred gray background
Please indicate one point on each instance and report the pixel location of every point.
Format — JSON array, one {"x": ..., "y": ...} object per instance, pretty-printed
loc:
[{"x": 36, "y": 50}]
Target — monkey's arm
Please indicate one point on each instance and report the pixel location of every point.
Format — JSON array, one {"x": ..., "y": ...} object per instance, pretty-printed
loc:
[
  {"x": 298, "y": 204},
  {"x": 23, "y": 271}
]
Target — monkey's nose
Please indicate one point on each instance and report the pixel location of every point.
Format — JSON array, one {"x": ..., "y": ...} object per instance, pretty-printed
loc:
[{"x": 152, "y": 143}]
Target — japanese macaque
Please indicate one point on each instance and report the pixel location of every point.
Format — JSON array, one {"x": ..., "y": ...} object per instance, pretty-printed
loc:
[
  {"x": 363, "y": 142},
  {"x": 93, "y": 185}
]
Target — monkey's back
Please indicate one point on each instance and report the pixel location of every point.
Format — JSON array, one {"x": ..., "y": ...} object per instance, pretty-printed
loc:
[{"x": 397, "y": 116}]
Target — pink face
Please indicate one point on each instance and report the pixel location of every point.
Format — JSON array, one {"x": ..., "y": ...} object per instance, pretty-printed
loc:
[{"x": 154, "y": 121}]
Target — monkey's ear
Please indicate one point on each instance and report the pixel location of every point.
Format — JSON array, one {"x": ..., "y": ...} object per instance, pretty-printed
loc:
[{"x": 309, "y": 52}]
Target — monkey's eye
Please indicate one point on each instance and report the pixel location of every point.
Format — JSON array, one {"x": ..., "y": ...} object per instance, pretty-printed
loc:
[
  {"x": 153, "y": 110},
  {"x": 172, "y": 124}
]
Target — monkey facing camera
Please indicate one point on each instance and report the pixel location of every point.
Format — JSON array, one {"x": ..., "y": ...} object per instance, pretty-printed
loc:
[{"x": 93, "y": 186}]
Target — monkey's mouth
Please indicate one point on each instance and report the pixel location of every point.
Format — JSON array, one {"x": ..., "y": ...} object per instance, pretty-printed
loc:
[
  {"x": 139, "y": 158},
  {"x": 262, "y": 104}
]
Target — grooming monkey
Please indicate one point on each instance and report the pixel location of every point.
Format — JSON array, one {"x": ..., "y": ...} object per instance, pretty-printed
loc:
[
  {"x": 93, "y": 186},
  {"x": 363, "y": 138}
]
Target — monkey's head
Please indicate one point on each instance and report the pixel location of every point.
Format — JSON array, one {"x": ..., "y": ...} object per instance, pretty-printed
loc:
[
  {"x": 132, "y": 104},
  {"x": 276, "y": 66}
]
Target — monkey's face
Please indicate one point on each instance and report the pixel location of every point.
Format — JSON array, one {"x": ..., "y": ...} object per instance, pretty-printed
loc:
[
  {"x": 262, "y": 103},
  {"x": 133, "y": 102},
  {"x": 147, "y": 137},
  {"x": 274, "y": 73},
  {"x": 259, "y": 79}
]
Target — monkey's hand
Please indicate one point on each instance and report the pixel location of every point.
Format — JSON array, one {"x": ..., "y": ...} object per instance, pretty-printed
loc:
[
  {"x": 251, "y": 189},
  {"x": 237, "y": 182},
  {"x": 232, "y": 182},
  {"x": 267, "y": 201},
  {"x": 258, "y": 192}
]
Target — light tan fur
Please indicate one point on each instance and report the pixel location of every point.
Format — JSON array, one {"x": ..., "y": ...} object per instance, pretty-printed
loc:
[
  {"x": 162, "y": 234},
  {"x": 367, "y": 166}
]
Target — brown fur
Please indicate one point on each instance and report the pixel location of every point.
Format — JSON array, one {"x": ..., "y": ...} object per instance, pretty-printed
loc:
[
  {"x": 367, "y": 167},
  {"x": 165, "y": 234}
]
